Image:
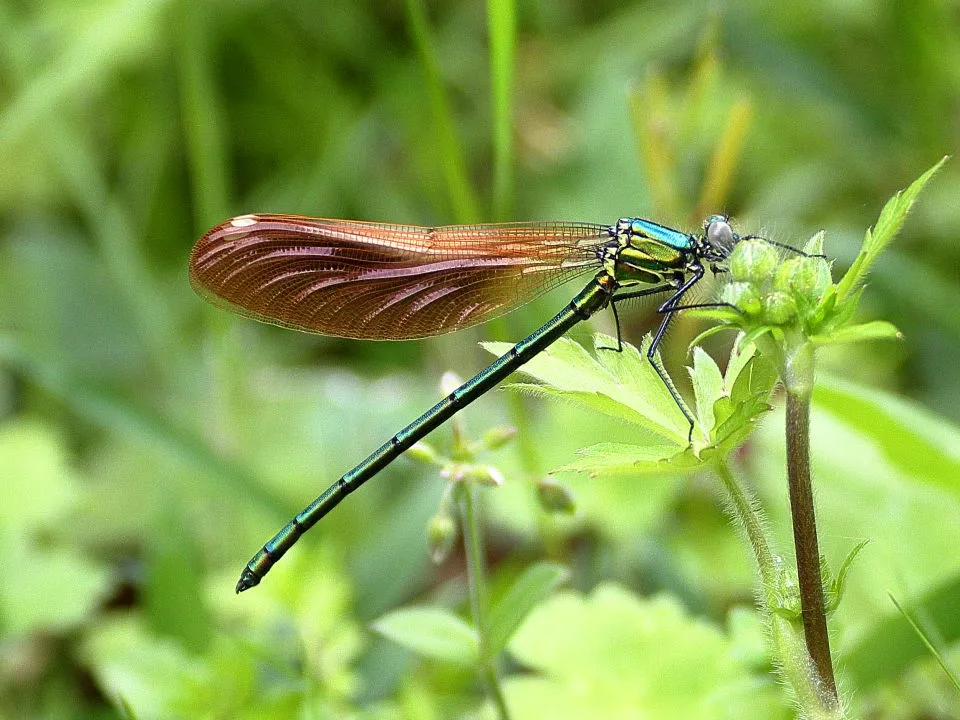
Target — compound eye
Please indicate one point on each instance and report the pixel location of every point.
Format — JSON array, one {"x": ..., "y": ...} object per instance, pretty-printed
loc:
[{"x": 720, "y": 235}]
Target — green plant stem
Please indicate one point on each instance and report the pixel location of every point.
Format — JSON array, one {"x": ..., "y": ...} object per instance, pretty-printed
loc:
[
  {"x": 790, "y": 652},
  {"x": 502, "y": 25},
  {"x": 473, "y": 542},
  {"x": 798, "y": 378},
  {"x": 449, "y": 151},
  {"x": 747, "y": 514}
]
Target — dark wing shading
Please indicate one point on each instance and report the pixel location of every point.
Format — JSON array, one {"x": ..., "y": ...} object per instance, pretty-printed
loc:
[{"x": 384, "y": 282}]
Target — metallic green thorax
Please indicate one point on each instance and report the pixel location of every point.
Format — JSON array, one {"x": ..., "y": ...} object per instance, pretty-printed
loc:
[{"x": 646, "y": 253}]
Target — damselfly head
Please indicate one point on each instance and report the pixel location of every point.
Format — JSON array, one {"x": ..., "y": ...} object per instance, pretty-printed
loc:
[{"x": 719, "y": 238}]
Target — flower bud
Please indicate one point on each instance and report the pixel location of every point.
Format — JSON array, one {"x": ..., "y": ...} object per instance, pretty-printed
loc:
[
  {"x": 742, "y": 295},
  {"x": 422, "y": 452},
  {"x": 485, "y": 475},
  {"x": 806, "y": 278},
  {"x": 498, "y": 437},
  {"x": 442, "y": 533},
  {"x": 554, "y": 497},
  {"x": 779, "y": 308},
  {"x": 753, "y": 261}
]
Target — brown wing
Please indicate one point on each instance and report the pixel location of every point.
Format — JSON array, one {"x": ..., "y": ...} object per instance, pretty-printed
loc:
[{"x": 384, "y": 282}]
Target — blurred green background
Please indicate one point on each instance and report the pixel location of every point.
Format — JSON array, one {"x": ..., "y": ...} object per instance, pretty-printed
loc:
[{"x": 149, "y": 444}]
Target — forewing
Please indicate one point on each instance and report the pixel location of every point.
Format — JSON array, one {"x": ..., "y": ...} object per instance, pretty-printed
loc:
[{"x": 378, "y": 281}]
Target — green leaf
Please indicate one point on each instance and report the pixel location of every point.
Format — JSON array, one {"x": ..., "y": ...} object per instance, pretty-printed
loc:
[
  {"x": 831, "y": 314},
  {"x": 814, "y": 246},
  {"x": 38, "y": 486},
  {"x": 926, "y": 641},
  {"x": 747, "y": 385},
  {"x": 640, "y": 387},
  {"x": 889, "y": 648},
  {"x": 727, "y": 408},
  {"x": 891, "y": 219},
  {"x": 757, "y": 377},
  {"x": 128, "y": 661},
  {"x": 740, "y": 355},
  {"x": 534, "y": 585},
  {"x": 605, "y": 459},
  {"x": 612, "y": 655},
  {"x": 707, "y": 387},
  {"x": 723, "y": 314},
  {"x": 172, "y": 593},
  {"x": 709, "y": 332},
  {"x": 50, "y": 590},
  {"x": 876, "y": 330},
  {"x": 755, "y": 334},
  {"x": 154, "y": 677},
  {"x": 838, "y": 584},
  {"x": 828, "y": 305},
  {"x": 620, "y": 384},
  {"x": 917, "y": 442},
  {"x": 46, "y": 587},
  {"x": 433, "y": 632},
  {"x": 739, "y": 417},
  {"x": 651, "y": 431},
  {"x": 139, "y": 424},
  {"x": 102, "y": 42},
  {"x": 566, "y": 365}
]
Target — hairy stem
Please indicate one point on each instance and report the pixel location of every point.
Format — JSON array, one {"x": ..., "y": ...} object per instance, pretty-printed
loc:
[
  {"x": 476, "y": 581},
  {"x": 748, "y": 516},
  {"x": 798, "y": 377},
  {"x": 790, "y": 652}
]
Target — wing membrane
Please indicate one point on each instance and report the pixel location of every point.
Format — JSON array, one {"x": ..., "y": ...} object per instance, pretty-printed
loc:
[{"x": 379, "y": 281}]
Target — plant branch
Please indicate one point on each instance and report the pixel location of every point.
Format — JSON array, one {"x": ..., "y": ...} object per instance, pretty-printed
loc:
[
  {"x": 790, "y": 651},
  {"x": 473, "y": 542},
  {"x": 748, "y": 516}
]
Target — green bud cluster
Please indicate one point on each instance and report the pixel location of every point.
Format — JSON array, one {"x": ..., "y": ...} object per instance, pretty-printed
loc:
[{"x": 771, "y": 290}]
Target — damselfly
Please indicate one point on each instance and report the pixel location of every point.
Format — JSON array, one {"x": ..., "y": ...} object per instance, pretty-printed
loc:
[{"x": 377, "y": 281}]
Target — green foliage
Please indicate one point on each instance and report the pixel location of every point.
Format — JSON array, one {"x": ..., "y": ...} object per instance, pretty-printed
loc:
[
  {"x": 437, "y": 633},
  {"x": 433, "y": 632},
  {"x": 903, "y": 505},
  {"x": 835, "y": 586},
  {"x": 912, "y": 440},
  {"x": 622, "y": 385},
  {"x": 797, "y": 293},
  {"x": 625, "y": 386},
  {"x": 534, "y": 585},
  {"x": 502, "y": 27},
  {"x": 891, "y": 220},
  {"x": 148, "y": 445},
  {"x": 48, "y": 586},
  {"x": 950, "y": 673},
  {"x": 614, "y": 655},
  {"x": 296, "y": 654}
]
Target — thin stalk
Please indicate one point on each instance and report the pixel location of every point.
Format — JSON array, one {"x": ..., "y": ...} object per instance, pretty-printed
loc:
[
  {"x": 476, "y": 582},
  {"x": 798, "y": 378},
  {"x": 449, "y": 151},
  {"x": 502, "y": 24},
  {"x": 790, "y": 652},
  {"x": 747, "y": 514}
]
